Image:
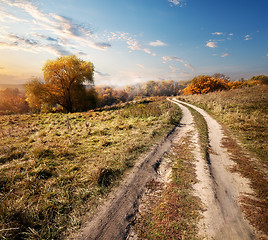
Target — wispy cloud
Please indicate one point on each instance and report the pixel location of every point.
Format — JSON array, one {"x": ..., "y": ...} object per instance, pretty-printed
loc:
[
  {"x": 211, "y": 44},
  {"x": 247, "y": 37},
  {"x": 179, "y": 3},
  {"x": 6, "y": 16},
  {"x": 140, "y": 65},
  {"x": 225, "y": 55},
  {"x": 101, "y": 74},
  {"x": 174, "y": 58},
  {"x": 157, "y": 43},
  {"x": 189, "y": 66},
  {"x": 217, "y": 33},
  {"x": 62, "y": 33},
  {"x": 131, "y": 41},
  {"x": 1, "y": 68}
]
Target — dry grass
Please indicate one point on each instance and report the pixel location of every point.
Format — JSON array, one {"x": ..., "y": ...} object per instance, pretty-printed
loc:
[
  {"x": 245, "y": 112},
  {"x": 172, "y": 211},
  {"x": 56, "y": 167},
  {"x": 254, "y": 206}
]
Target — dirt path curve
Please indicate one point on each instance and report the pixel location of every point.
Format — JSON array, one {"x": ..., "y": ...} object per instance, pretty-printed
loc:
[
  {"x": 112, "y": 220},
  {"x": 219, "y": 189}
]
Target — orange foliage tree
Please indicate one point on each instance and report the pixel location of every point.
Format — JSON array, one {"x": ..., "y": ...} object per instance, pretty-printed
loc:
[
  {"x": 65, "y": 84},
  {"x": 205, "y": 84}
]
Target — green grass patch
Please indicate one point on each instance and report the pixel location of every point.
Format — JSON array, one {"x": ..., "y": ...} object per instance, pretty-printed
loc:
[{"x": 55, "y": 168}]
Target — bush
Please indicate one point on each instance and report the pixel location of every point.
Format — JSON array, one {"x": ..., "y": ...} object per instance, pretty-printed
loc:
[{"x": 205, "y": 84}]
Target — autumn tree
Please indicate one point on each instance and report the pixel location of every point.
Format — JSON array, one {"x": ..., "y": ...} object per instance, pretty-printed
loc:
[
  {"x": 12, "y": 101},
  {"x": 260, "y": 79},
  {"x": 65, "y": 84},
  {"x": 35, "y": 93},
  {"x": 205, "y": 84}
]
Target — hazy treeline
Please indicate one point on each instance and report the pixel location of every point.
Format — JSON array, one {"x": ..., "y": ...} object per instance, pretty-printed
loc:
[
  {"x": 15, "y": 101},
  {"x": 109, "y": 96}
]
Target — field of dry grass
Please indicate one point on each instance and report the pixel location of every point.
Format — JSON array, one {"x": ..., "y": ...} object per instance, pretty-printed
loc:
[{"x": 55, "y": 168}]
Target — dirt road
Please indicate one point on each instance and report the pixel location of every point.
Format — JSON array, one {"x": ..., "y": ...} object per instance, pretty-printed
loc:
[{"x": 218, "y": 189}]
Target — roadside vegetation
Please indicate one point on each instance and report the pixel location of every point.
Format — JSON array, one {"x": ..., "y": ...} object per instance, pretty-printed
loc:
[
  {"x": 172, "y": 211},
  {"x": 244, "y": 110},
  {"x": 57, "y": 167}
]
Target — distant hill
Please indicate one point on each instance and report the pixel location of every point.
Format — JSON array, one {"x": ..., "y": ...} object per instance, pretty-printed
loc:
[{"x": 13, "y": 86}]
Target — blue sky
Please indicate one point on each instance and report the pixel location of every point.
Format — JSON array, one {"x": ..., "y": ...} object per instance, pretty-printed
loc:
[{"x": 132, "y": 41}]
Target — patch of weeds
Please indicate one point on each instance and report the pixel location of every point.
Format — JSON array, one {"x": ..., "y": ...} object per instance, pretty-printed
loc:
[
  {"x": 255, "y": 206},
  {"x": 105, "y": 176},
  {"x": 172, "y": 212},
  {"x": 202, "y": 128}
]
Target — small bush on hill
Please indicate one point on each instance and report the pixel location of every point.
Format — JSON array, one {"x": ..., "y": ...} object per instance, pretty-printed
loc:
[{"x": 205, "y": 84}]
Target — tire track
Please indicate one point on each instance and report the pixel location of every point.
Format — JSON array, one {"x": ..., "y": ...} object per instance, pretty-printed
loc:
[{"x": 112, "y": 220}]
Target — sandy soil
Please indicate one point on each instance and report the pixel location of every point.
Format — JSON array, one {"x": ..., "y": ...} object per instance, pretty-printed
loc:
[{"x": 218, "y": 188}]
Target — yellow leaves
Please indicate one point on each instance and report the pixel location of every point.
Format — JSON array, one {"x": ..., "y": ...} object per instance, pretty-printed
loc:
[{"x": 204, "y": 84}]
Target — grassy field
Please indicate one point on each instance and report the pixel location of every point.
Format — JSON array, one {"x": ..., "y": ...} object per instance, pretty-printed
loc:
[
  {"x": 245, "y": 113},
  {"x": 55, "y": 168}
]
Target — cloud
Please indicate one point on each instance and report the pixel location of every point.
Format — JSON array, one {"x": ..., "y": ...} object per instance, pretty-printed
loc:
[
  {"x": 157, "y": 43},
  {"x": 247, "y": 38},
  {"x": 57, "y": 49},
  {"x": 101, "y": 74},
  {"x": 173, "y": 69},
  {"x": 148, "y": 51},
  {"x": 211, "y": 44},
  {"x": 225, "y": 55},
  {"x": 132, "y": 43},
  {"x": 217, "y": 33},
  {"x": 17, "y": 42},
  {"x": 61, "y": 30},
  {"x": 179, "y": 3},
  {"x": 5, "y": 15},
  {"x": 172, "y": 58},
  {"x": 189, "y": 66},
  {"x": 1, "y": 68},
  {"x": 141, "y": 66}
]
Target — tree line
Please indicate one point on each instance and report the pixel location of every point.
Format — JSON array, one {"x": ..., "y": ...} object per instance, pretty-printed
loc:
[{"x": 68, "y": 86}]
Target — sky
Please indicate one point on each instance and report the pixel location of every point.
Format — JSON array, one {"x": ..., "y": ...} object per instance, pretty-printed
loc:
[{"x": 133, "y": 41}]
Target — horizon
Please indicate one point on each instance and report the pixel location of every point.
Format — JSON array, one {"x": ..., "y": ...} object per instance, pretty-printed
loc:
[{"x": 132, "y": 42}]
